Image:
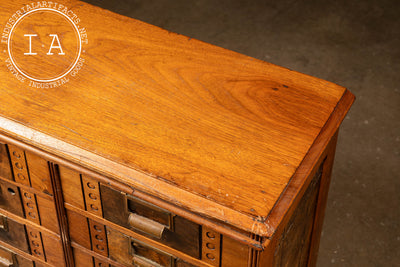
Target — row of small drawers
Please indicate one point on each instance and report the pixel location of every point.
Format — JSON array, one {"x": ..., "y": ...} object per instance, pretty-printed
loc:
[{"x": 27, "y": 191}]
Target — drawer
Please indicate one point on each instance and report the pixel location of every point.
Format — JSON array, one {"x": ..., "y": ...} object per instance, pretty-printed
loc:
[
  {"x": 10, "y": 198},
  {"x": 150, "y": 221},
  {"x": 128, "y": 251},
  {"x": 84, "y": 259},
  {"x": 119, "y": 247},
  {"x": 13, "y": 233},
  {"x": 26, "y": 186},
  {"x": 5, "y": 166},
  {"x": 41, "y": 245},
  {"x": 10, "y": 258},
  {"x": 25, "y": 168},
  {"x": 39, "y": 209},
  {"x": 86, "y": 193}
]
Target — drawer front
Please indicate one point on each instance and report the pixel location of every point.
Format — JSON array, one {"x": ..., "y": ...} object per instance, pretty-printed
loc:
[
  {"x": 9, "y": 258},
  {"x": 26, "y": 186},
  {"x": 13, "y": 233},
  {"x": 30, "y": 169},
  {"x": 35, "y": 208},
  {"x": 117, "y": 246},
  {"x": 126, "y": 250},
  {"x": 150, "y": 221},
  {"x": 139, "y": 218},
  {"x": 83, "y": 259},
  {"x": 45, "y": 247},
  {"x": 5, "y": 165},
  {"x": 136, "y": 215},
  {"x": 10, "y": 198}
]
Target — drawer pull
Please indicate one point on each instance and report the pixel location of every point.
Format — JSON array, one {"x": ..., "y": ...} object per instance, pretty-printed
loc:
[
  {"x": 5, "y": 262},
  {"x": 3, "y": 223},
  {"x": 146, "y": 225},
  {"x": 142, "y": 262}
]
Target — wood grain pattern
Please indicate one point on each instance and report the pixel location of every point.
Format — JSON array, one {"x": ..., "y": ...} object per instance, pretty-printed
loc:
[
  {"x": 54, "y": 251},
  {"x": 79, "y": 229},
  {"x": 10, "y": 198},
  {"x": 234, "y": 254},
  {"x": 14, "y": 234},
  {"x": 38, "y": 263},
  {"x": 72, "y": 187},
  {"x": 82, "y": 259},
  {"x": 5, "y": 165},
  {"x": 39, "y": 173},
  {"x": 303, "y": 175},
  {"x": 294, "y": 243},
  {"x": 195, "y": 116},
  {"x": 48, "y": 214},
  {"x": 321, "y": 202}
]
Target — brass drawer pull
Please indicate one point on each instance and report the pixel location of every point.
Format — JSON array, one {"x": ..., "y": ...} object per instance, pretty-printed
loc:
[{"x": 146, "y": 225}]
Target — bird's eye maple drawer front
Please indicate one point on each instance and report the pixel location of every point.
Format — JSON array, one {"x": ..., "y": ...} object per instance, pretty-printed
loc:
[
  {"x": 26, "y": 188},
  {"x": 44, "y": 246}
]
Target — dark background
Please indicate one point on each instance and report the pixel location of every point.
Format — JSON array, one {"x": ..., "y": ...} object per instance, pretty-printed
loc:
[{"x": 352, "y": 43}]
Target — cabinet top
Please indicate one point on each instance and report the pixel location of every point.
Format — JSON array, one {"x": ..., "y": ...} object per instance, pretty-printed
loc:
[{"x": 208, "y": 129}]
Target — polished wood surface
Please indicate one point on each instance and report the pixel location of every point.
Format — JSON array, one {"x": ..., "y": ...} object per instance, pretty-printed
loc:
[
  {"x": 186, "y": 114},
  {"x": 162, "y": 151}
]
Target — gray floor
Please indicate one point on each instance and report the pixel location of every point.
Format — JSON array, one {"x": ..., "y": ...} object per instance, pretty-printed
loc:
[{"x": 353, "y": 43}]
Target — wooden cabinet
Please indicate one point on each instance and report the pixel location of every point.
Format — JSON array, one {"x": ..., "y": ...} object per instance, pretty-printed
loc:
[{"x": 160, "y": 151}]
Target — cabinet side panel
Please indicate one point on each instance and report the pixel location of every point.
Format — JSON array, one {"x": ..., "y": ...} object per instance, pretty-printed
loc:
[{"x": 294, "y": 243}]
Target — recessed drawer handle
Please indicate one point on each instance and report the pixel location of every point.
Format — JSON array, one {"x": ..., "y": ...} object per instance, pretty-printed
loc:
[{"x": 146, "y": 225}]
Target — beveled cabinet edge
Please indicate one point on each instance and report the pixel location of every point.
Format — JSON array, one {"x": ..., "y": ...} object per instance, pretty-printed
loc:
[
  {"x": 92, "y": 164},
  {"x": 297, "y": 185}
]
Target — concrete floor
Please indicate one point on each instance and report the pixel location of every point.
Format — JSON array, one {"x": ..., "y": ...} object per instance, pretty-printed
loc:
[{"x": 352, "y": 43}]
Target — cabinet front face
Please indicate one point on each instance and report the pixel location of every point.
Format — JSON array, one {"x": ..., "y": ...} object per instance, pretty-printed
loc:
[
  {"x": 110, "y": 227},
  {"x": 28, "y": 215},
  {"x": 130, "y": 230}
]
